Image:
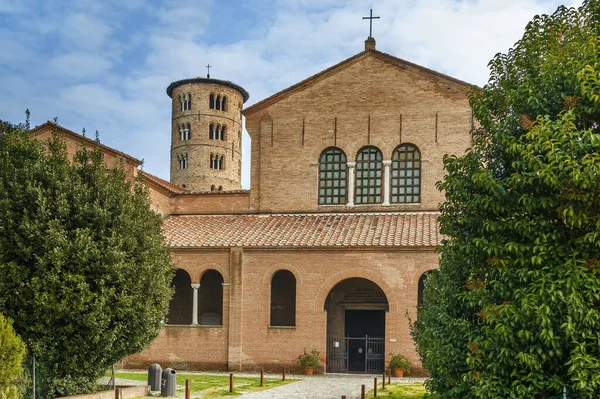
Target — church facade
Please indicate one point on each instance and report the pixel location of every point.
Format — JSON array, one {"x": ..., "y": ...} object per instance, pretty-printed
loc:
[{"x": 329, "y": 248}]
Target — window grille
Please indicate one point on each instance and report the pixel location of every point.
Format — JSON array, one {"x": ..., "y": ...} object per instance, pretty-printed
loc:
[
  {"x": 368, "y": 176},
  {"x": 332, "y": 177},
  {"x": 406, "y": 175}
]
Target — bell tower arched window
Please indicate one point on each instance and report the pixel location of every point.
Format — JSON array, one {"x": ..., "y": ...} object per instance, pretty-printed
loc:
[
  {"x": 406, "y": 175},
  {"x": 332, "y": 177},
  {"x": 368, "y": 176},
  {"x": 211, "y": 101},
  {"x": 216, "y": 161}
]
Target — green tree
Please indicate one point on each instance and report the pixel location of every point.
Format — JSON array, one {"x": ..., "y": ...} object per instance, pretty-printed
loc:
[
  {"x": 84, "y": 270},
  {"x": 12, "y": 354},
  {"x": 515, "y": 309}
]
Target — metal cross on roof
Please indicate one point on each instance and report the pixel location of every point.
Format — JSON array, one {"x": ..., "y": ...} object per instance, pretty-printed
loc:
[
  {"x": 371, "y": 18},
  {"x": 208, "y": 71}
]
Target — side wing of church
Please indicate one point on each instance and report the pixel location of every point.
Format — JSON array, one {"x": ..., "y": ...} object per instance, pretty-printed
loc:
[{"x": 329, "y": 248}]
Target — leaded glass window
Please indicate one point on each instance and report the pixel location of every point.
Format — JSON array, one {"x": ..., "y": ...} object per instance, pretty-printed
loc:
[
  {"x": 332, "y": 177},
  {"x": 368, "y": 176},
  {"x": 406, "y": 175}
]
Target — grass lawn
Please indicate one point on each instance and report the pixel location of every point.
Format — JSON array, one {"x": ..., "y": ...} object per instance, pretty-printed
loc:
[
  {"x": 401, "y": 391},
  {"x": 213, "y": 386}
]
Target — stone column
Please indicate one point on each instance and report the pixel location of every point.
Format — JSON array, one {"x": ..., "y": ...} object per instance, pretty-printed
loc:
[
  {"x": 195, "y": 305},
  {"x": 351, "y": 166},
  {"x": 386, "y": 183}
]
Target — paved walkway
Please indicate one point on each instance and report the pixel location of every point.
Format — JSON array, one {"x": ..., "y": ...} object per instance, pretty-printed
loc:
[{"x": 329, "y": 386}]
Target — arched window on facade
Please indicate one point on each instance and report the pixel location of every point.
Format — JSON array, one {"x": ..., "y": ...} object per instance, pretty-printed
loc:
[
  {"x": 283, "y": 299},
  {"x": 421, "y": 287},
  {"x": 211, "y": 101},
  {"x": 181, "y": 306},
  {"x": 210, "y": 299},
  {"x": 406, "y": 175},
  {"x": 222, "y": 133},
  {"x": 211, "y": 131},
  {"x": 332, "y": 177},
  {"x": 368, "y": 176},
  {"x": 218, "y": 102},
  {"x": 224, "y": 104}
]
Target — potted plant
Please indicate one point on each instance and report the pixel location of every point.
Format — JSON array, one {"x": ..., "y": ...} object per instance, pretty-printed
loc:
[
  {"x": 309, "y": 361},
  {"x": 399, "y": 364}
]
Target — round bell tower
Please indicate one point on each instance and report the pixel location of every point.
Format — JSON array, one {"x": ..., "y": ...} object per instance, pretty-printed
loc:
[{"x": 206, "y": 134}]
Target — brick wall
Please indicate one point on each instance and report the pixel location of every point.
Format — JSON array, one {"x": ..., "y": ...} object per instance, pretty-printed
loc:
[
  {"x": 369, "y": 102},
  {"x": 246, "y": 341}
]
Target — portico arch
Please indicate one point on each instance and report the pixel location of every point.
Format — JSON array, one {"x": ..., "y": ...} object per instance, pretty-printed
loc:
[
  {"x": 334, "y": 279},
  {"x": 356, "y": 315}
]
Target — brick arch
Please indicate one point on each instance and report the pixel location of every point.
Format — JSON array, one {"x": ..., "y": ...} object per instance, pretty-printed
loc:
[
  {"x": 422, "y": 269},
  {"x": 203, "y": 268},
  {"x": 315, "y": 154},
  {"x": 266, "y": 118},
  {"x": 355, "y": 147},
  {"x": 281, "y": 266},
  {"x": 266, "y": 289},
  {"x": 332, "y": 281},
  {"x": 188, "y": 269}
]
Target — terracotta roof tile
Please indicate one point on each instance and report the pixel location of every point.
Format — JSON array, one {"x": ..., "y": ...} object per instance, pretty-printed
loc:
[
  {"x": 174, "y": 188},
  {"x": 415, "y": 229},
  {"x": 53, "y": 125}
]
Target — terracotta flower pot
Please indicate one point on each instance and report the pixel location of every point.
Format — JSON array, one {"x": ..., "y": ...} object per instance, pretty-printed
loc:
[
  {"x": 398, "y": 373},
  {"x": 308, "y": 371}
]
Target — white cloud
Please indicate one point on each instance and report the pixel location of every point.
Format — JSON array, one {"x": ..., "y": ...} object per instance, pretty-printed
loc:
[
  {"x": 80, "y": 65},
  {"x": 120, "y": 56}
]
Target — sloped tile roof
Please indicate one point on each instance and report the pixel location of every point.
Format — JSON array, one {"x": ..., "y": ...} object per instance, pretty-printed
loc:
[
  {"x": 82, "y": 138},
  {"x": 415, "y": 229},
  {"x": 173, "y": 188}
]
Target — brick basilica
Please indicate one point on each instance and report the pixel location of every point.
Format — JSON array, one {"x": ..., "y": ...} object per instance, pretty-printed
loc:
[{"x": 329, "y": 248}]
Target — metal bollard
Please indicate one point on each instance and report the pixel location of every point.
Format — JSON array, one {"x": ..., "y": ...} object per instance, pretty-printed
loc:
[
  {"x": 362, "y": 391},
  {"x": 375, "y": 387},
  {"x": 262, "y": 377},
  {"x": 383, "y": 382},
  {"x": 283, "y": 373},
  {"x": 187, "y": 389},
  {"x": 231, "y": 382}
]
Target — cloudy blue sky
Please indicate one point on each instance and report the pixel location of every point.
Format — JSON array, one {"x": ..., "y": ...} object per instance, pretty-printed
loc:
[{"x": 105, "y": 64}]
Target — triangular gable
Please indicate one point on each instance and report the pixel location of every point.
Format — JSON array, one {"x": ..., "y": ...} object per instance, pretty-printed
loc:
[{"x": 344, "y": 64}]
